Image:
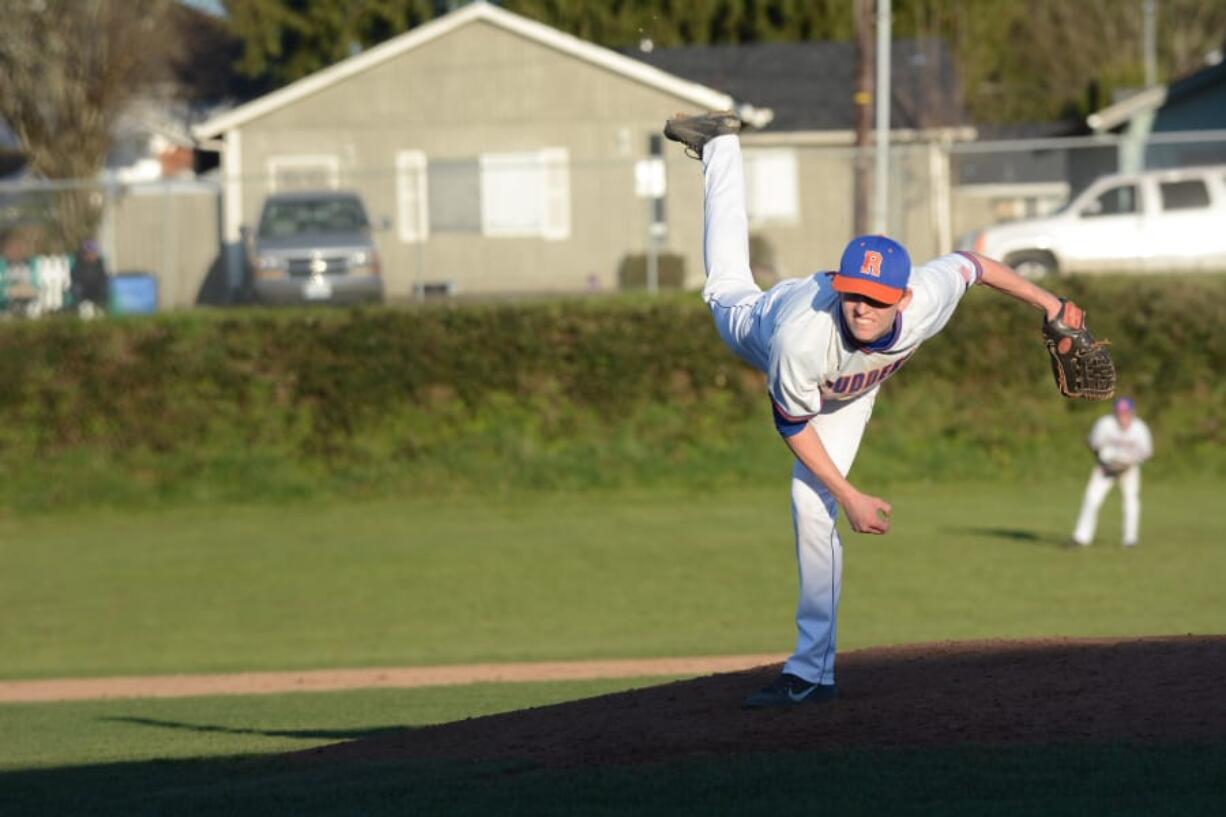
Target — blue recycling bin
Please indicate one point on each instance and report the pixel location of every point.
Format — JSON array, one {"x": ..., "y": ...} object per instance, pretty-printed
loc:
[{"x": 134, "y": 293}]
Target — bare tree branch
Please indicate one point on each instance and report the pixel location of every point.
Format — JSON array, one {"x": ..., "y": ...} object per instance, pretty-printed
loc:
[{"x": 67, "y": 70}]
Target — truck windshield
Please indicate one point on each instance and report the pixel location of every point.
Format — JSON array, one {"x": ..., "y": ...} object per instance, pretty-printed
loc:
[{"x": 293, "y": 217}]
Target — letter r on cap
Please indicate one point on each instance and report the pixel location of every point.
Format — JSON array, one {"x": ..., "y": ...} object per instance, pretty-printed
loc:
[{"x": 872, "y": 264}]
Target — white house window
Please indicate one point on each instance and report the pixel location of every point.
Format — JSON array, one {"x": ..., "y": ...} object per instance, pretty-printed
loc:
[
  {"x": 772, "y": 195},
  {"x": 526, "y": 194},
  {"x": 412, "y": 196},
  {"x": 316, "y": 172}
]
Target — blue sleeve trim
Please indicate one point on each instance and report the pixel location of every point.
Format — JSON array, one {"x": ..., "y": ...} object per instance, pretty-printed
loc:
[{"x": 787, "y": 427}]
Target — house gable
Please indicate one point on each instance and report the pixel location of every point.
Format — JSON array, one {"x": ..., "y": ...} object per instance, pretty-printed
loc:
[
  {"x": 480, "y": 11},
  {"x": 483, "y": 88},
  {"x": 1194, "y": 102},
  {"x": 479, "y": 76}
]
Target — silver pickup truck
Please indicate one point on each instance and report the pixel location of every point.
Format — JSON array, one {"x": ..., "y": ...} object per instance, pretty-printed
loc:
[{"x": 314, "y": 247}]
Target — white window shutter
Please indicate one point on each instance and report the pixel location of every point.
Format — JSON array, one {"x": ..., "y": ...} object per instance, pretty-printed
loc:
[
  {"x": 412, "y": 197},
  {"x": 526, "y": 194},
  {"x": 555, "y": 166},
  {"x": 772, "y": 191},
  {"x": 511, "y": 195}
]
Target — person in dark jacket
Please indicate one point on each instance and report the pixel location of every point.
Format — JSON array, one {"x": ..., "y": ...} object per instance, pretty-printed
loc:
[{"x": 90, "y": 283}]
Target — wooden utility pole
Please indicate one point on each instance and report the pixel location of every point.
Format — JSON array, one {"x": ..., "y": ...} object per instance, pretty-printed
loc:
[{"x": 864, "y": 110}]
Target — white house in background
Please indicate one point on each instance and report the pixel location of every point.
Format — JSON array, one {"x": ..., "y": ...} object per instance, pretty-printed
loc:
[{"x": 152, "y": 141}]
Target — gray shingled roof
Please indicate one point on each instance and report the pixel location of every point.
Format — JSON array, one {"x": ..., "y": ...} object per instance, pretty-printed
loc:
[{"x": 810, "y": 85}]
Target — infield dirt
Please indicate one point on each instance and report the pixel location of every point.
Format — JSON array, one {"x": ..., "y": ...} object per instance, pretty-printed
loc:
[{"x": 992, "y": 693}]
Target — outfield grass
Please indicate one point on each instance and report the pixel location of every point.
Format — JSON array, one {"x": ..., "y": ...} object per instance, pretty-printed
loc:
[
  {"x": 579, "y": 576},
  {"x": 82, "y": 733},
  {"x": 563, "y": 576}
]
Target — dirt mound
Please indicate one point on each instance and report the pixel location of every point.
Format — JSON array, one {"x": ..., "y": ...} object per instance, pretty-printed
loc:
[{"x": 1151, "y": 690}]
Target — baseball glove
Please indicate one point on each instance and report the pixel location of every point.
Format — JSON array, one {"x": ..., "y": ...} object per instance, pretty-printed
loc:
[{"x": 1081, "y": 365}]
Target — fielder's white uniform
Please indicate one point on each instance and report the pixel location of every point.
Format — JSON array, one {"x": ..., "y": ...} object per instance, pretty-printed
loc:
[
  {"x": 816, "y": 373},
  {"x": 1118, "y": 448}
]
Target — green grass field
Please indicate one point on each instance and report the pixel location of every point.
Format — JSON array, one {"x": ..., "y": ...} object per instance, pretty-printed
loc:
[
  {"x": 560, "y": 577},
  {"x": 579, "y": 576}
]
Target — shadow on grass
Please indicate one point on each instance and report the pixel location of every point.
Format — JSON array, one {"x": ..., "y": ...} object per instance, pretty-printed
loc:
[
  {"x": 1117, "y": 780},
  {"x": 1070, "y": 727},
  {"x": 1030, "y": 537},
  {"x": 306, "y": 734}
]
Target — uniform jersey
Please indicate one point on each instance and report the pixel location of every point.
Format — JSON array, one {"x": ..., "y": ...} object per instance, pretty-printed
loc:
[
  {"x": 798, "y": 339},
  {"x": 1121, "y": 446}
]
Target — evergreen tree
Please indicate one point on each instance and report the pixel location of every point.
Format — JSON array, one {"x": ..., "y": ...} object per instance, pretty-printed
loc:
[
  {"x": 1017, "y": 59},
  {"x": 285, "y": 40}
]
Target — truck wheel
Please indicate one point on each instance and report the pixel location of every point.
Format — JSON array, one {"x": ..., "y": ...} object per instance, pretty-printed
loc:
[{"x": 1033, "y": 264}]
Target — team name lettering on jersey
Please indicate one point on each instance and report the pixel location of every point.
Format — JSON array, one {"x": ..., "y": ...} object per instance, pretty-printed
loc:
[{"x": 852, "y": 385}]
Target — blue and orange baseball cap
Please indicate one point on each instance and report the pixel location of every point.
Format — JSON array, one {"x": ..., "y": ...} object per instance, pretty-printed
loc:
[
  {"x": 1125, "y": 403},
  {"x": 875, "y": 266}
]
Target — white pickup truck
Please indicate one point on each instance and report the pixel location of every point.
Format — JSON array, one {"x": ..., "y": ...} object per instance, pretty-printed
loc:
[{"x": 1155, "y": 221}]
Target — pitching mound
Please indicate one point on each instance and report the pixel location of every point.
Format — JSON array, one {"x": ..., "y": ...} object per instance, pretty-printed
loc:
[{"x": 1152, "y": 690}]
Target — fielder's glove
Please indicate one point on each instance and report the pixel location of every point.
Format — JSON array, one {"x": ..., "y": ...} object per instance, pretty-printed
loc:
[{"x": 1081, "y": 365}]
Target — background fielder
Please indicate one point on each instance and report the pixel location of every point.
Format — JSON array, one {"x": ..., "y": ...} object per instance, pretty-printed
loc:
[
  {"x": 826, "y": 344},
  {"x": 1121, "y": 442}
]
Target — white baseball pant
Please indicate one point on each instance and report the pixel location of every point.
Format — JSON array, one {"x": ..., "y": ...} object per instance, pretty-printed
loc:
[
  {"x": 1096, "y": 491},
  {"x": 730, "y": 293}
]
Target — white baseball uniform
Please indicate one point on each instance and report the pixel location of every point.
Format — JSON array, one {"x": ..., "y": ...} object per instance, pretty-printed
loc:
[
  {"x": 1119, "y": 453},
  {"x": 817, "y": 373}
]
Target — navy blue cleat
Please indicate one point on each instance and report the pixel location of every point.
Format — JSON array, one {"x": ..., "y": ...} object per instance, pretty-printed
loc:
[{"x": 791, "y": 690}]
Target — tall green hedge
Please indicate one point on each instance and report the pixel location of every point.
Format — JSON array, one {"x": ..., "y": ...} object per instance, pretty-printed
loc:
[{"x": 579, "y": 393}]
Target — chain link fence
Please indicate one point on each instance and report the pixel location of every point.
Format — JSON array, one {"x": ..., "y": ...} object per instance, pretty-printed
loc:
[{"x": 539, "y": 222}]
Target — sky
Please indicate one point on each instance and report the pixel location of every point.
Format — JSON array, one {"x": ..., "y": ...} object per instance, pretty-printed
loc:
[{"x": 211, "y": 6}]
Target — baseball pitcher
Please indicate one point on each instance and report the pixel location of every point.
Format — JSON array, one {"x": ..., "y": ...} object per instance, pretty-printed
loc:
[
  {"x": 826, "y": 344},
  {"x": 1121, "y": 442}
]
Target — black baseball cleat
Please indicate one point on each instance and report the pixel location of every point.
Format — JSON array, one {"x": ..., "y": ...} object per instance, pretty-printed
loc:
[
  {"x": 791, "y": 690},
  {"x": 695, "y": 131}
]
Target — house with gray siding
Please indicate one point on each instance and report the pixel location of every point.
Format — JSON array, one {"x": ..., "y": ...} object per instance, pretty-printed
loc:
[
  {"x": 495, "y": 155},
  {"x": 503, "y": 156}
]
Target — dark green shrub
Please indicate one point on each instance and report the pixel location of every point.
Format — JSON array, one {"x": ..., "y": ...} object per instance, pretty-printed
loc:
[{"x": 563, "y": 393}]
